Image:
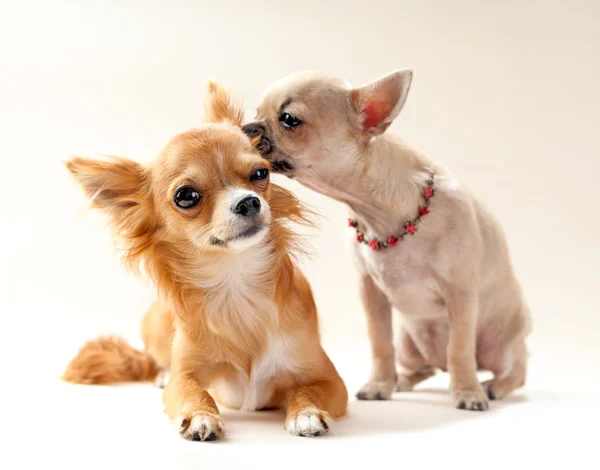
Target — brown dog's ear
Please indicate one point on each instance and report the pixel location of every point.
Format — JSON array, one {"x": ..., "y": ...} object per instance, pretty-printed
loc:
[
  {"x": 221, "y": 107},
  {"x": 379, "y": 102},
  {"x": 119, "y": 187},
  {"x": 112, "y": 185}
]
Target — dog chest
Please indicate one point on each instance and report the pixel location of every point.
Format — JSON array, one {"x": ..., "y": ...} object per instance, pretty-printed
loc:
[
  {"x": 404, "y": 276},
  {"x": 253, "y": 392}
]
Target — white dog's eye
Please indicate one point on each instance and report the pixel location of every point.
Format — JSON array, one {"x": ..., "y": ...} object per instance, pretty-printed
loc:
[
  {"x": 289, "y": 120},
  {"x": 259, "y": 174}
]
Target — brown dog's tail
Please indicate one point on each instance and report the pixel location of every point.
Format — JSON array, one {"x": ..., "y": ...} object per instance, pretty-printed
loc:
[{"x": 110, "y": 360}]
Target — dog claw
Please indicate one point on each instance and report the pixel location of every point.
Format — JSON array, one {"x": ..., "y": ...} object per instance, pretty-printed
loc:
[
  {"x": 202, "y": 426},
  {"x": 184, "y": 424},
  {"x": 471, "y": 400},
  {"x": 376, "y": 391},
  {"x": 308, "y": 424}
]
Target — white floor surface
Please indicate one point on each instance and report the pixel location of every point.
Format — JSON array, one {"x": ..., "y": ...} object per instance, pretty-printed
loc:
[{"x": 548, "y": 423}]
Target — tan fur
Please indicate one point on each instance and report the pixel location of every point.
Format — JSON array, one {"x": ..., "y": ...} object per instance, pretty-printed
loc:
[
  {"x": 110, "y": 360},
  {"x": 461, "y": 305},
  {"x": 235, "y": 318},
  {"x": 220, "y": 107}
]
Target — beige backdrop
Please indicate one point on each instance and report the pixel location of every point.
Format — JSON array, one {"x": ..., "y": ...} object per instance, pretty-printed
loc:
[{"x": 505, "y": 95}]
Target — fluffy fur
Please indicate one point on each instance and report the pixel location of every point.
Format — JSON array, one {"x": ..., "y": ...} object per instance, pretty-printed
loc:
[
  {"x": 461, "y": 306},
  {"x": 235, "y": 319}
]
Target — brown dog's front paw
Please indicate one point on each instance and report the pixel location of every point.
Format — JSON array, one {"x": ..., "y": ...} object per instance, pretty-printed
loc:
[
  {"x": 475, "y": 400},
  {"x": 308, "y": 423},
  {"x": 376, "y": 391},
  {"x": 202, "y": 426}
]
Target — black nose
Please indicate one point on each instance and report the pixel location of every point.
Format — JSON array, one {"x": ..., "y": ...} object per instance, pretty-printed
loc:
[
  {"x": 248, "y": 206},
  {"x": 255, "y": 129}
]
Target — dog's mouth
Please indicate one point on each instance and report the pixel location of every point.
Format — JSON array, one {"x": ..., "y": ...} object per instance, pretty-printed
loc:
[
  {"x": 249, "y": 232},
  {"x": 282, "y": 166},
  {"x": 280, "y": 163},
  {"x": 266, "y": 147},
  {"x": 244, "y": 234}
]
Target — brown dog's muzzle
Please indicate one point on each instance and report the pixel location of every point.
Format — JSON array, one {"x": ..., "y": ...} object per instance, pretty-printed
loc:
[{"x": 256, "y": 129}]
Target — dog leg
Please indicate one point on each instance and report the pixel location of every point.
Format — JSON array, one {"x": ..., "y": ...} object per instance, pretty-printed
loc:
[
  {"x": 162, "y": 378},
  {"x": 379, "y": 323},
  {"x": 407, "y": 380},
  {"x": 311, "y": 407},
  {"x": 467, "y": 392},
  {"x": 192, "y": 409},
  {"x": 187, "y": 403},
  {"x": 414, "y": 367},
  {"x": 510, "y": 378}
]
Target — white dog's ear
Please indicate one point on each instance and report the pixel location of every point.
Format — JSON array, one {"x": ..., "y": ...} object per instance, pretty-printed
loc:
[{"x": 379, "y": 102}]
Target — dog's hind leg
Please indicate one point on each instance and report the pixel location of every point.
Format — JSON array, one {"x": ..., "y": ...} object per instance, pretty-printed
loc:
[
  {"x": 510, "y": 375},
  {"x": 406, "y": 381},
  {"x": 414, "y": 367},
  {"x": 162, "y": 379}
]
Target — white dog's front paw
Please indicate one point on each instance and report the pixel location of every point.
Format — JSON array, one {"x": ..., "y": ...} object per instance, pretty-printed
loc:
[
  {"x": 376, "y": 391},
  {"x": 308, "y": 423},
  {"x": 475, "y": 400}
]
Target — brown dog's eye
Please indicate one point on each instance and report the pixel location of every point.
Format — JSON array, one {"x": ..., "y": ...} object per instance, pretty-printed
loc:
[
  {"x": 289, "y": 121},
  {"x": 258, "y": 175},
  {"x": 186, "y": 197}
]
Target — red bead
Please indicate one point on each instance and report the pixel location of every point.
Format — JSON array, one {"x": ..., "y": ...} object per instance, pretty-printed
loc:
[
  {"x": 428, "y": 192},
  {"x": 410, "y": 228},
  {"x": 392, "y": 241},
  {"x": 359, "y": 236},
  {"x": 351, "y": 223},
  {"x": 423, "y": 210},
  {"x": 374, "y": 244}
]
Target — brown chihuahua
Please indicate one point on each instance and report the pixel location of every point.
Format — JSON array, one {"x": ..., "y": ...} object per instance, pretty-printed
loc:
[{"x": 235, "y": 320}]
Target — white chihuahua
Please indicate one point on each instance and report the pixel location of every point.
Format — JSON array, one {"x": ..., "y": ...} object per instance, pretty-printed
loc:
[{"x": 421, "y": 241}]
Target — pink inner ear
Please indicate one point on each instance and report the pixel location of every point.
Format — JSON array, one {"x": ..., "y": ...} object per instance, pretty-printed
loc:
[{"x": 375, "y": 112}]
